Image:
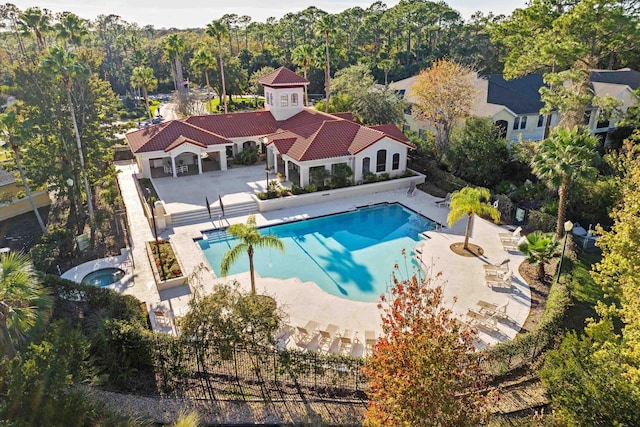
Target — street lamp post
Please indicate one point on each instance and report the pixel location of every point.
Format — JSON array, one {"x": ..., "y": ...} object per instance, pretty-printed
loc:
[
  {"x": 155, "y": 233},
  {"x": 568, "y": 226}
]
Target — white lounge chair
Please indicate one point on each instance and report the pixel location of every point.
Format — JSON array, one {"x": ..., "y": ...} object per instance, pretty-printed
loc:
[
  {"x": 515, "y": 235},
  {"x": 496, "y": 269},
  {"x": 499, "y": 282},
  {"x": 446, "y": 202},
  {"x": 412, "y": 189},
  {"x": 346, "y": 341},
  {"x": 326, "y": 335}
]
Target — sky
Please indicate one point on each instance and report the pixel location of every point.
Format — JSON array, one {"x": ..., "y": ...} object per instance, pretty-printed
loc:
[{"x": 198, "y": 13}]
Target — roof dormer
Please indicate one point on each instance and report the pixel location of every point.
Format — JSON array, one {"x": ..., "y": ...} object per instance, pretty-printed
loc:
[{"x": 283, "y": 93}]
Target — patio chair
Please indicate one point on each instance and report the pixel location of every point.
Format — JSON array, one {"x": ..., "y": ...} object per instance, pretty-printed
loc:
[
  {"x": 446, "y": 202},
  {"x": 412, "y": 189},
  {"x": 305, "y": 332},
  {"x": 370, "y": 338},
  {"x": 162, "y": 317},
  {"x": 346, "y": 341},
  {"x": 515, "y": 235},
  {"x": 499, "y": 282},
  {"x": 496, "y": 269}
]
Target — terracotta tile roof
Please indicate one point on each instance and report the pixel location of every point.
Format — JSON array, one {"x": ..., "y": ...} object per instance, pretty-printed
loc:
[
  {"x": 182, "y": 140},
  {"x": 392, "y": 131},
  {"x": 345, "y": 116},
  {"x": 237, "y": 125},
  {"x": 283, "y": 145},
  {"x": 159, "y": 137},
  {"x": 283, "y": 77},
  {"x": 331, "y": 138},
  {"x": 309, "y": 135}
]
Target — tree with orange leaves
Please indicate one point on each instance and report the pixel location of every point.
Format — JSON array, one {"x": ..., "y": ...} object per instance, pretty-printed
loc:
[
  {"x": 443, "y": 95},
  {"x": 423, "y": 369}
]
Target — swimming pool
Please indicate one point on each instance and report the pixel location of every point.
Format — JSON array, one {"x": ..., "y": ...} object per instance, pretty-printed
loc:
[
  {"x": 104, "y": 276},
  {"x": 350, "y": 255}
]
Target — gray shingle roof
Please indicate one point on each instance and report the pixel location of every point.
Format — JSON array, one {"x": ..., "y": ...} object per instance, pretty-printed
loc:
[
  {"x": 624, "y": 76},
  {"x": 6, "y": 178},
  {"x": 521, "y": 95}
]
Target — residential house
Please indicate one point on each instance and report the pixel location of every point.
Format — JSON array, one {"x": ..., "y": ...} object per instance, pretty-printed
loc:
[
  {"x": 294, "y": 140},
  {"x": 515, "y": 105}
]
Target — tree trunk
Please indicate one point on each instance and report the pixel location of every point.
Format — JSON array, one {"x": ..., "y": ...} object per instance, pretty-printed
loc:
[
  {"x": 541, "y": 273},
  {"x": 5, "y": 338},
  {"x": 206, "y": 76},
  {"x": 467, "y": 233},
  {"x": 16, "y": 153},
  {"x": 146, "y": 101},
  {"x": 80, "y": 154},
  {"x": 562, "y": 205},
  {"x": 327, "y": 72},
  {"x": 251, "y": 271},
  {"x": 224, "y": 87},
  {"x": 306, "y": 88}
]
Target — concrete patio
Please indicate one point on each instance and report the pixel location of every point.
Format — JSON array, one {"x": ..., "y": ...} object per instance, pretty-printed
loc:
[{"x": 462, "y": 278}]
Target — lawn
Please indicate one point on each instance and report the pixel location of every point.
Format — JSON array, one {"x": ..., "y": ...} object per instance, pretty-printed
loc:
[
  {"x": 236, "y": 103},
  {"x": 585, "y": 292}
]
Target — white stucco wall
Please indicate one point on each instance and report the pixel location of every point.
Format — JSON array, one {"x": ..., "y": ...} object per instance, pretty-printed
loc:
[
  {"x": 392, "y": 147},
  {"x": 277, "y": 109}
]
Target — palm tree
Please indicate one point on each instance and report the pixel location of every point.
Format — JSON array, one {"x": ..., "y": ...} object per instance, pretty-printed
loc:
[
  {"x": 204, "y": 61},
  {"x": 71, "y": 28},
  {"x": 565, "y": 157},
  {"x": 471, "y": 201},
  {"x": 249, "y": 237},
  {"x": 539, "y": 248},
  {"x": 173, "y": 46},
  {"x": 11, "y": 129},
  {"x": 37, "y": 22},
  {"x": 303, "y": 56},
  {"x": 23, "y": 302},
  {"x": 62, "y": 63},
  {"x": 218, "y": 30},
  {"x": 143, "y": 77},
  {"x": 326, "y": 26}
]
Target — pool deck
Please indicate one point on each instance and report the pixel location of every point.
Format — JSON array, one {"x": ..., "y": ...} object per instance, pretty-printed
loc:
[{"x": 462, "y": 278}]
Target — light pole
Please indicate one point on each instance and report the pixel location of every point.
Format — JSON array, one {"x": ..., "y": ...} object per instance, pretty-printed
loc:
[
  {"x": 568, "y": 226},
  {"x": 155, "y": 232}
]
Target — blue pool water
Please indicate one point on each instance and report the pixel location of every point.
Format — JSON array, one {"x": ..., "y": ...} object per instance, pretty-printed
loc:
[
  {"x": 103, "y": 277},
  {"x": 350, "y": 255}
]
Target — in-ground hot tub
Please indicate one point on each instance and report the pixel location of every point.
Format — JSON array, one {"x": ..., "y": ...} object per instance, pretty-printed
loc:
[{"x": 104, "y": 276}]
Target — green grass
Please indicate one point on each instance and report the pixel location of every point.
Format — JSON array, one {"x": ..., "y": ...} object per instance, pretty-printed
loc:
[
  {"x": 215, "y": 102},
  {"x": 585, "y": 292}
]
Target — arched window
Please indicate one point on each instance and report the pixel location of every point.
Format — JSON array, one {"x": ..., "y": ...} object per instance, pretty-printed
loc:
[
  {"x": 366, "y": 165},
  {"x": 294, "y": 99},
  {"x": 381, "y": 161},
  {"x": 395, "y": 164},
  {"x": 502, "y": 125}
]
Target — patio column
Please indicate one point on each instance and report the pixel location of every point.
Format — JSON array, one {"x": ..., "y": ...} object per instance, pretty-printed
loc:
[
  {"x": 286, "y": 170},
  {"x": 173, "y": 167},
  {"x": 304, "y": 172},
  {"x": 199, "y": 164},
  {"x": 223, "y": 160},
  {"x": 275, "y": 162}
]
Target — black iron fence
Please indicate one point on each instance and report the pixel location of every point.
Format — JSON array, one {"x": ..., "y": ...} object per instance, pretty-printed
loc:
[{"x": 195, "y": 369}]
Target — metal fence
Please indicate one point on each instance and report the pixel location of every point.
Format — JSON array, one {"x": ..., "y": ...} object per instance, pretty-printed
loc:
[{"x": 199, "y": 370}]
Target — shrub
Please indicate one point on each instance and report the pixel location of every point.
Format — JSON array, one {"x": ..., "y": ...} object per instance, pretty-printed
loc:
[
  {"x": 369, "y": 177},
  {"x": 311, "y": 188},
  {"x": 169, "y": 261},
  {"x": 248, "y": 156}
]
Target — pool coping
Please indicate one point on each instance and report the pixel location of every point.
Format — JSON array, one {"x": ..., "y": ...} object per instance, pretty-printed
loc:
[{"x": 416, "y": 244}]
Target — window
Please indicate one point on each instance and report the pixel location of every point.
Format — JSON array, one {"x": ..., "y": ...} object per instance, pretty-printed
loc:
[
  {"x": 587, "y": 117},
  {"x": 395, "y": 164},
  {"x": 520, "y": 122},
  {"x": 270, "y": 98},
  {"x": 284, "y": 100},
  {"x": 366, "y": 165},
  {"x": 422, "y": 134},
  {"x": 381, "y": 161},
  {"x": 541, "y": 121},
  {"x": 229, "y": 151},
  {"x": 294, "y": 99},
  {"x": 406, "y": 128}
]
